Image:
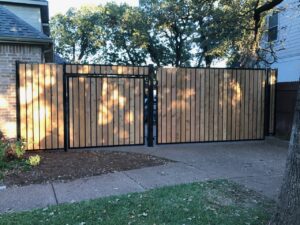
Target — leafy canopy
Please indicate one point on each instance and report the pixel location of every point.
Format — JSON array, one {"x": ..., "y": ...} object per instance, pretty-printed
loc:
[{"x": 163, "y": 32}]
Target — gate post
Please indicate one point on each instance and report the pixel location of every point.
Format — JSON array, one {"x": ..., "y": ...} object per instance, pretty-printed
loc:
[
  {"x": 18, "y": 116},
  {"x": 150, "y": 103},
  {"x": 66, "y": 108}
]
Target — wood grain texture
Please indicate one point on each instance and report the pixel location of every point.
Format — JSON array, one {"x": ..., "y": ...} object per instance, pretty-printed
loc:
[{"x": 196, "y": 105}]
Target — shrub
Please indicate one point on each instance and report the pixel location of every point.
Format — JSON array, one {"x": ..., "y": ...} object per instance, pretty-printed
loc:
[
  {"x": 11, "y": 149},
  {"x": 34, "y": 160},
  {"x": 3, "y": 147}
]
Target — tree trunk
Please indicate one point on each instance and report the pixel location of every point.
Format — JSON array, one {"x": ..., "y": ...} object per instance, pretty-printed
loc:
[{"x": 288, "y": 207}]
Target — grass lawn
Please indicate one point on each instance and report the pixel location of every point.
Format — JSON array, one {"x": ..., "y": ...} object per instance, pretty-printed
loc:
[{"x": 215, "y": 202}]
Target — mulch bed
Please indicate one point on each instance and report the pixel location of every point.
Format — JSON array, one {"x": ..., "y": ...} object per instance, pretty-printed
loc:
[{"x": 65, "y": 166}]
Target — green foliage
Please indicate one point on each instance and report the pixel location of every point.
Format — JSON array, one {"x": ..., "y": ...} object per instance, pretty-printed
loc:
[
  {"x": 77, "y": 34},
  {"x": 34, "y": 160},
  {"x": 164, "y": 32},
  {"x": 11, "y": 154}
]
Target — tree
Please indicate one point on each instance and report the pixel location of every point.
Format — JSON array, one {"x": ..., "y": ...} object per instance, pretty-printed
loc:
[
  {"x": 126, "y": 42},
  {"x": 288, "y": 207},
  {"x": 170, "y": 22},
  {"x": 76, "y": 34},
  {"x": 166, "y": 32}
]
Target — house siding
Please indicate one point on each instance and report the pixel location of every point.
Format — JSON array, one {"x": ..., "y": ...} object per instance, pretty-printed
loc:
[
  {"x": 9, "y": 54},
  {"x": 289, "y": 34}
]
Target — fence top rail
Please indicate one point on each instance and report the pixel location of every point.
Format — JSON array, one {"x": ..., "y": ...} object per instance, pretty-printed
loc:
[{"x": 217, "y": 68}]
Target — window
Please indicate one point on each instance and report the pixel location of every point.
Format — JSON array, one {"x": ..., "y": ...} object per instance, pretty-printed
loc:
[{"x": 273, "y": 27}]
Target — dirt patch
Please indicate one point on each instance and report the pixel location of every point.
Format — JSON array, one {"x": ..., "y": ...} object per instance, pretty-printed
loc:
[{"x": 64, "y": 166}]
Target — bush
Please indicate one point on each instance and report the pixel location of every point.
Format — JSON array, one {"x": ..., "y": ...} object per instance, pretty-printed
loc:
[
  {"x": 34, "y": 160},
  {"x": 11, "y": 149},
  {"x": 3, "y": 148}
]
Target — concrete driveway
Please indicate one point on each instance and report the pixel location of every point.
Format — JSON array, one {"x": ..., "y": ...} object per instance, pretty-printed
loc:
[{"x": 258, "y": 165}]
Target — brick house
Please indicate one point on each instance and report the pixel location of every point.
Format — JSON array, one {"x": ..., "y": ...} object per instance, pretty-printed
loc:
[{"x": 24, "y": 36}]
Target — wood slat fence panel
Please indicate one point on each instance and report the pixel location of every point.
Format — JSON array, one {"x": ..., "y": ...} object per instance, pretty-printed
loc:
[
  {"x": 105, "y": 109},
  {"x": 106, "y": 105},
  {"x": 213, "y": 104},
  {"x": 41, "y": 105}
]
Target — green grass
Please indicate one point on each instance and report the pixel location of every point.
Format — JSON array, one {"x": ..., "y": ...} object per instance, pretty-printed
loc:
[{"x": 216, "y": 202}]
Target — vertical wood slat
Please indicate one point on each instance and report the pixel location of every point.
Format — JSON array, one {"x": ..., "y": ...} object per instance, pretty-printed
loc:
[
  {"x": 187, "y": 105},
  {"x": 60, "y": 109},
  {"x": 42, "y": 105},
  {"x": 220, "y": 104},
  {"x": 48, "y": 106},
  {"x": 131, "y": 112},
  {"x": 71, "y": 111},
  {"x": 177, "y": 104},
  {"x": 173, "y": 104},
  {"x": 197, "y": 104},
  {"x": 272, "y": 84},
  {"x": 206, "y": 106},
  {"x": 192, "y": 94},
  {"x": 216, "y": 105},
  {"x": 110, "y": 110},
  {"x": 242, "y": 109},
  {"x": 127, "y": 112},
  {"x": 35, "y": 105},
  {"x": 164, "y": 107},
  {"x": 104, "y": 109},
  {"x": 202, "y": 104},
  {"x": 168, "y": 128},
  {"x": 183, "y": 106},
  {"x": 136, "y": 111},
  {"x": 229, "y": 106},
  {"x": 121, "y": 111},
  {"x": 225, "y": 108},
  {"x": 54, "y": 127}
]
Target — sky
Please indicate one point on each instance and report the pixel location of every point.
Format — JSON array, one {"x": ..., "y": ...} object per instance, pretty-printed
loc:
[{"x": 61, "y": 6}]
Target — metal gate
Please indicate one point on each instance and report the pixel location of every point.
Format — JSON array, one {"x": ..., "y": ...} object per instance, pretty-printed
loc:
[
  {"x": 204, "y": 105},
  {"x": 80, "y": 106},
  {"x": 105, "y": 105}
]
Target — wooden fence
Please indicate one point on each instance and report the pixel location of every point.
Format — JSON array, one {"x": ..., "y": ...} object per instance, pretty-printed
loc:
[
  {"x": 199, "y": 105},
  {"x": 106, "y": 110},
  {"x": 41, "y": 113},
  {"x": 105, "y": 105},
  {"x": 77, "y": 106}
]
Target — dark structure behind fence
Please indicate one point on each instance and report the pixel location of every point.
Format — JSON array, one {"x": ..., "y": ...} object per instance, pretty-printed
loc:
[{"x": 286, "y": 94}]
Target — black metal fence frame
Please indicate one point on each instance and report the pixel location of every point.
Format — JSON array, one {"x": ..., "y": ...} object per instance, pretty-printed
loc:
[
  {"x": 69, "y": 75},
  {"x": 149, "y": 82}
]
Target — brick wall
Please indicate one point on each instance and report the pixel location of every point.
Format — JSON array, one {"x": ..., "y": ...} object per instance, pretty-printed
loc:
[{"x": 9, "y": 54}]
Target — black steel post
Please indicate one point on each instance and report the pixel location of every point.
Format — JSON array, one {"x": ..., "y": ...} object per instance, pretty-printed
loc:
[
  {"x": 150, "y": 107},
  {"x": 18, "y": 116},
  {"x": 66, "y": 109}
]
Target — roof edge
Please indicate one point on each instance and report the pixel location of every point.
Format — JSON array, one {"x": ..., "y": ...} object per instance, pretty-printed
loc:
[
  {"x": 25, "y": 2},
  {"x": 8, "y": 39}
]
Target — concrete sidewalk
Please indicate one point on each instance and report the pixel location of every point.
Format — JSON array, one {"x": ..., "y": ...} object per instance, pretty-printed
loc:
[{"x": 258, "y": 165}]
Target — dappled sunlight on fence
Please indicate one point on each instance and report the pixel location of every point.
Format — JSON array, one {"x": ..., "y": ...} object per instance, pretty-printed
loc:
[
  {"x": 202, "y": 104},
  {"x": 112, "y": 109}
]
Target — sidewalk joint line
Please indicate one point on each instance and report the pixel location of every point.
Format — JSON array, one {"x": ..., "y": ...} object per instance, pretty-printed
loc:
[
  {"x": 54, "y": 194},
  {"x": 135, "y": 181}
]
